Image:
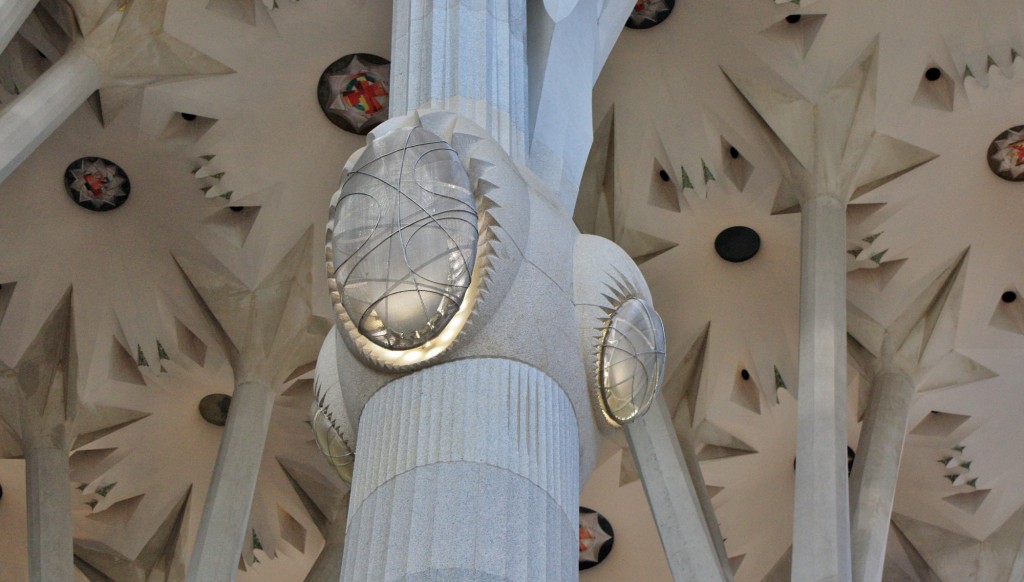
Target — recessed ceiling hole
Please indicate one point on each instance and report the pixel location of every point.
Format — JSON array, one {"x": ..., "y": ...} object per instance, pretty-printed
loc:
[
  {"x": 737, "y": 244},
  {"x": 663, "y": 193},
  {"x": 236, "y": 208},
  {"x": 796, "y": 32},
  {"x": 935, "y": 90},
  {"x": 6, "y": 293},
  {"x": 746, "y": 393},
  {"x": 291, "y": 530},
  {"x": 189, "y": 116},
  {"x": 968, "y": 502},
  {"x": 737, "y": 168},
  {"x": 793, "y": 18},
  {"x": 1008, "y": 315},
  {"x": 190, "y": 344},
  {"x": 123, "y": 366},
  {"x": 939, "y": 424},
  {"x": 214, "y": 408}
]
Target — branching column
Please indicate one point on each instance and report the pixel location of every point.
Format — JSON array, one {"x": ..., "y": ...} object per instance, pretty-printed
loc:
[
  {"x": 821, "y": 538},
  {"x": 36, "y": 113},
  {"x": 12, "y": 15},
  {"x": 463, "y": 56},
  {"x": 48, "y": 491},
  {"x": 226, "y": 513},
  {"x": 873, "y": 480},
  {"x": 470, "y": 471},
  {"x": 675, "y": 499}
]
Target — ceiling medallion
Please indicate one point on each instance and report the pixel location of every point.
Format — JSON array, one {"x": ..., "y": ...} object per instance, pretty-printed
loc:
[
  {"x": 97, "y": 184},
  {"x": 1006, "y": 154},
  {"x": 648, "y": 13},
  {"x": 353, "y": 92},
  {"x": 214, "y": 408},
  {"x": 737, "y": 244},
  {"x": 596, "y": 538}
]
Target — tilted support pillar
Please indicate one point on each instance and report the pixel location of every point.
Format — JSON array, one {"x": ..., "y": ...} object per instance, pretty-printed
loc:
[{"x": 13, "y": 14}]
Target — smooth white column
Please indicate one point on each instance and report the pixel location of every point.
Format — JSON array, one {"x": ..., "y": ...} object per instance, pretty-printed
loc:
[
  {"x": 821, "y": 524},
  {"x": 48, "y": 492},
  {"x": 466, "y": 471},
  {"x": 675, "y": 499},
  {"x": 224, "y": 526},
  {"x": 36, "y": 113},
  {"x": 12, "y": 15},
  {"x": 875, "y": 470},
  {"x": 463, "y": 56}
]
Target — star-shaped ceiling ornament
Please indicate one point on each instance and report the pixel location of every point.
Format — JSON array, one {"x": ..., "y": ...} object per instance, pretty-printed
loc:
[
  {"x": 596, "y": 538},
  {"x": 1006, "y": 154},
  {"x": 97, "y": 184},
  {"x": 648, "y": 13},
  {"x": 353, "y": 92},
  {"x": 134, "y": 51}
]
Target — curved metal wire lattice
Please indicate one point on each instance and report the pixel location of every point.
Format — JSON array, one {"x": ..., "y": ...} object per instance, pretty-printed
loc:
[
  {"x": 631, "y": 361},
  {"x": 331, "y": 444},
  {"x": 405, "y": 241}
]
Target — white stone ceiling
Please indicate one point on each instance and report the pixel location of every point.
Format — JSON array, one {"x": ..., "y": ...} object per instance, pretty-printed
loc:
[
  {"x": 675, "y": 110},
  {"x": 662, "y": 103}
]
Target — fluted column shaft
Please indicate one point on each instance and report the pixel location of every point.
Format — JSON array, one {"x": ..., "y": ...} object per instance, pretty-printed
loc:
[
  {"x": 821, "y": 524},
  {"x": 12, "y": 15},
  {"x": 48, "y": 491},
  {"x": 223, "y": 528},
  {"x": 467, "y": 471},
  {"x": 875, "y": 471},
  {"x": 28, "y": 120},
  {"x": 463, "y": 56}
]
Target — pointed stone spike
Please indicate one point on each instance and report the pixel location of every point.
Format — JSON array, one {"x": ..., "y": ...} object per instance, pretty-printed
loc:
[
  {"x": 940, "y": 299},
  {"x": 888, "y": 158},
  {"x": 48, "y": 364},
  {"x": 789, "y": 116},
  {"x": 643, "y": 247},
  {"x": 95, "y": 423}
]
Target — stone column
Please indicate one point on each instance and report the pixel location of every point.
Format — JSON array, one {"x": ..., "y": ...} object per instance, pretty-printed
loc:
[
  {"x": 675, "y": 499},
  {"x": 875, "y": 470},
  {"x": 821, "y": 527},
  {"x": 12, "y": 15},
  {"x": 466, "y": 471},
  {"x": 463, "y": 56},
  {"x": 28, "y": 120},
  {"x": 222, "y": 530},
  {"x": 48, "y": 491}
]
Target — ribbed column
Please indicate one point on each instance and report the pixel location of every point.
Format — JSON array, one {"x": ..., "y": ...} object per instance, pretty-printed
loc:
[
  {"x": 225, "y": 520},
  {"x": 466, "y": 471},
  {"x": 12, "y": 15},
  {"x": 48, "y": 490},
  {"x": 821, "y": 524},
  {"x": 36, "y": 113},
  {"x": 875, "y": 471},
  {"x": 463, "y": 56}
]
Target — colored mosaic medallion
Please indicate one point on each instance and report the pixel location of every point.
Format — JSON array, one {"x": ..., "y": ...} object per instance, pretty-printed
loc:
[
  {"x": 648, "y": 13},
  {"x": 596, "y": 538},
  {"x": 353, "y": 92},
  {"x": 97, "y": 184},
  {"x": 1006, "y": 154}
]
